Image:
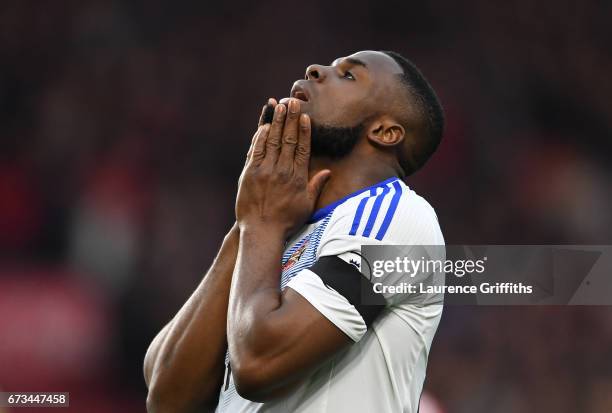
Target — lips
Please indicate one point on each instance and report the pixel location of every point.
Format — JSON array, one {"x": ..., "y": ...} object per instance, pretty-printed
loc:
[
  {"x": 298, "y": 91},
  {"x": 299, "y": 94}
]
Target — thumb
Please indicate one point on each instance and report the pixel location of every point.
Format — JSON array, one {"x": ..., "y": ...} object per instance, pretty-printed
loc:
[{"x": 317, "y": 182}]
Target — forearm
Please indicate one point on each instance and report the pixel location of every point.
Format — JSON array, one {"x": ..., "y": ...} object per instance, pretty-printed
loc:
[
  {"x": 255, "y": 289},
  {"x": 255, "y": 321},
  {"x": 185, "y": 362}
]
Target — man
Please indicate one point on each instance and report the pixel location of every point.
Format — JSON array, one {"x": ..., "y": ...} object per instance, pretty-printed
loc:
[{"x": 277, "y": 324}]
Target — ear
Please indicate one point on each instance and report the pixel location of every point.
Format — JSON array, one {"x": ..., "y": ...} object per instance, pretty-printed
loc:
[{"x": 385, "y": 131}]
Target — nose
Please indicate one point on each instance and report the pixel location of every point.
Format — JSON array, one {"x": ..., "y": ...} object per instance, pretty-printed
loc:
[{"x": 315, "y": 72}]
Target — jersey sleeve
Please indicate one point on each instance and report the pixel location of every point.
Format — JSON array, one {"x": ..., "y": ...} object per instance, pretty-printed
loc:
[
  {"x": 334, "y": 284},
  {"x": 330, "y": 303}
]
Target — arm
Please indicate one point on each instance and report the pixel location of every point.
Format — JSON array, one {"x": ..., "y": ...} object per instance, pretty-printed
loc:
[
  {"x": 185, "y": 362},
  {"x": 275, "y": 338}
]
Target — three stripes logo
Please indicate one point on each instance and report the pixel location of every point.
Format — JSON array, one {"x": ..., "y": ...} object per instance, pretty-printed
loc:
[{"x": 378, "y": 200}]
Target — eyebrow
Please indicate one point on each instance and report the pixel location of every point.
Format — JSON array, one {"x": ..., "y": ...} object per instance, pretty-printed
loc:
[
  {"x": 351, "y": 60},
  {"x": 356, "y": 62}
]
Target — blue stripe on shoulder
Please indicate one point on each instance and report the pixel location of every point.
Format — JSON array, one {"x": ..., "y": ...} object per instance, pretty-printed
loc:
[
  {"x": 391, "y": 211},
  {"x": 325, "y": 211},
  {"x": 359, "y": 213},
  {"x": 374, "y": 213}
]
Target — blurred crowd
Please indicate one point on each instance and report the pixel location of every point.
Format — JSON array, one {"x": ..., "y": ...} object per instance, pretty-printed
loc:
[{"x": 123, "y": 129}]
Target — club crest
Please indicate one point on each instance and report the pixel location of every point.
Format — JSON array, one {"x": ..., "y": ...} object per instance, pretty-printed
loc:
[{"x": 297, "y": 254}]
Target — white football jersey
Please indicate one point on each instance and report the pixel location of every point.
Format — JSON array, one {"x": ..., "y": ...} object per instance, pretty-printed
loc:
[{"x": 384, "y": 369}]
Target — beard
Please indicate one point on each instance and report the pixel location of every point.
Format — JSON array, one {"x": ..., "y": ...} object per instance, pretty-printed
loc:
[
  {"x": 334, "y": 142},
  {"x": 327, "y": 141}
]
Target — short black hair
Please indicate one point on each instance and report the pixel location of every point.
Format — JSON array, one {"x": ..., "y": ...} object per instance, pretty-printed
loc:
[{"x": 428, "y": 104}]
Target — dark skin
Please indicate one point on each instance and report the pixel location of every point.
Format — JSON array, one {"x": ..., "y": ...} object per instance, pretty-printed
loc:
[
  {"x": 184, "y": 364},
  {"x": 276, "y": 338},
  {"x": 347, "y": 93}
]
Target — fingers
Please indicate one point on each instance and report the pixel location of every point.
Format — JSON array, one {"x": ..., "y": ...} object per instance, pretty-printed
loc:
[
  {"x": 262, "y": 114},
  {"x": 317, "y": 182},
  {"x": 259, "y": 123},
  {"x": 265, "y": 117},
  {"x": 273, "y": 142},
  {"x": 302, "y": 151},
  {"x": 267, "y": 112},
  {"x": 257, "y": 152},
  {"x": 289, "y": 138}
]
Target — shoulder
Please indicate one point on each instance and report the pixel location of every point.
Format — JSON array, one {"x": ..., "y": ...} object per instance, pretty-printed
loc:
[{"x": 391, "y": 214}]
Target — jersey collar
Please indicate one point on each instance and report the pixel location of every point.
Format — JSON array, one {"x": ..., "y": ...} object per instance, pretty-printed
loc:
[{"x": 323, "y": 212}]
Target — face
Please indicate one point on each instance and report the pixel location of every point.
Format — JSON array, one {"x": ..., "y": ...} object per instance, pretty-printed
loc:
[
  {"x": 348, "y": 91},
  {"x": 340, "y": 97}
]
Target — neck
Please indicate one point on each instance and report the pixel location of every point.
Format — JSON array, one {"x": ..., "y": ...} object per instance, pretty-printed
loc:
[{"x": 348, "y": 175}]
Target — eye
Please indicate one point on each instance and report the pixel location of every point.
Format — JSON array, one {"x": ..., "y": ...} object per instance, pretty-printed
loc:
[{"x": 348, "y": 75}]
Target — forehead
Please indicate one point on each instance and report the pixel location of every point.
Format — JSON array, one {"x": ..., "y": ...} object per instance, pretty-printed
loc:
[{"x": 375, "y": 62}]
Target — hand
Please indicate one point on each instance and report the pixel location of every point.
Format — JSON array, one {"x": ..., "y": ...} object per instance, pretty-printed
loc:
[
  {"x": 264, "y": 118},
  {"x": 274, "y": 190}
]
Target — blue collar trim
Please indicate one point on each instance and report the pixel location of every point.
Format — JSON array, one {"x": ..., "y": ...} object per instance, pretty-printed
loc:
[{"x": 326, "y": 210}]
